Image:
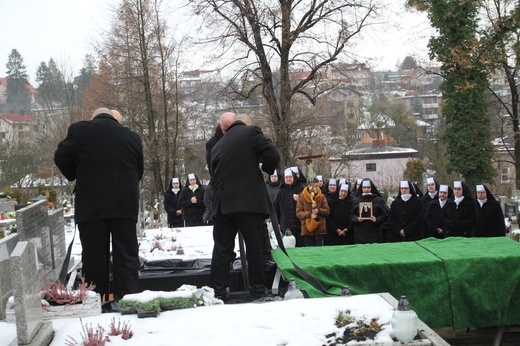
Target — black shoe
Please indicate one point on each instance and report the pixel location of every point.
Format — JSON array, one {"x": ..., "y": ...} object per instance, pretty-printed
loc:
[
  {"x": 223, "y": 295},
  {"x": 110, "y": 306}
]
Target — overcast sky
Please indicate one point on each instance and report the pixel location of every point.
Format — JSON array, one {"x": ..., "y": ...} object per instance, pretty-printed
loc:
[{"x": 65, "y": 30}]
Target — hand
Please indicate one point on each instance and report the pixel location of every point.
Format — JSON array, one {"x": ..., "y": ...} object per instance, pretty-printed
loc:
[
  {"x": 178, "y": 212},
  {"x": 295, "y": 197},
  {"x": 440, "y": 231},
  {"x": 373, "y": 219},
  {"x": 315, "y": 211},
  {"x": 401, "y": 232},
  {"x": 193, "y": 199}
]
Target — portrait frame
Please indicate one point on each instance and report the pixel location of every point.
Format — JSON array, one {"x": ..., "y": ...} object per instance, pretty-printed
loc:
[{"x": 365, "y": 210}]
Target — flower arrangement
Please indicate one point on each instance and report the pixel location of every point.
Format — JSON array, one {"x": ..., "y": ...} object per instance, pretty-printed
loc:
[
  {"x": 97, "y": 337},
  {"x": 57, "y": 293}
]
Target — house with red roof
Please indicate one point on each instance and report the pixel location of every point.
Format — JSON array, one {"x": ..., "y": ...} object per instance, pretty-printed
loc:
[{"x": 15, "y": 126}]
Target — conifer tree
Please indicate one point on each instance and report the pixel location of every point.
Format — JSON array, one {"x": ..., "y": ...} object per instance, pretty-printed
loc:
[
  {"x": 18, "y": 95},
  {"x": 468, "y": 129}
]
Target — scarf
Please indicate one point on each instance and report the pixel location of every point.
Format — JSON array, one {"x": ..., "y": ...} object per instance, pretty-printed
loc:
[{"x": 193, "y": 187}]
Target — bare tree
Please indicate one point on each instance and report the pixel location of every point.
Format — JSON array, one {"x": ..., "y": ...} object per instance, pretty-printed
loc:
[
  {"x": 137, "y": 75},
  {"x": 270, "y": 39}
]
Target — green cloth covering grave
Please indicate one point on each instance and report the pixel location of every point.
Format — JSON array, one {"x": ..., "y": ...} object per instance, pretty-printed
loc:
[{"x": 454, "y": 282}]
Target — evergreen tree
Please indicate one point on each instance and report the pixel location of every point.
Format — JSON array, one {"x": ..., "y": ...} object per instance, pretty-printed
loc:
[
  {"x": 468, "y": 129},
  {"x": 409, "y": 63},
  {"x": 18, "y": 95}
]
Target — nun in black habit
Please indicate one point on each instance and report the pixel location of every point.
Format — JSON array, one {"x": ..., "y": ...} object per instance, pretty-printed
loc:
[
  {"x": 490, "y": 217},
  {"x": 406, "y": 214},
  {"x": 459, "y": 215},
  {"x": 367, "y": 229},
  {"x": 433, "y": 219}
]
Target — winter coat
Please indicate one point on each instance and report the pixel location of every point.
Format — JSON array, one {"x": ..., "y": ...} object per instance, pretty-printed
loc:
[
  {"x": 303, "y": 212},
  {"x": 407, "y": 216},
  {"x": 171, "y": 206},
  {"x": 433, "y": 220},
  {"x": 458, "y": 221},
  {"x": 285, "y": 207},
  {"x": 238, "y": 183},
  {"x": 106, "y": 160},
  {"x": 192, "y": 211},
  {"x": 272, "y": 189},
  {"x": 366, "y": 231},
  {"x": 339, "y": 218},
  {"x": 490, "y": 219}
]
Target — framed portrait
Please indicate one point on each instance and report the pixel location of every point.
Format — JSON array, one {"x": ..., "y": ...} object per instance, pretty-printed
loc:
[{"x": 365, "y": 210}]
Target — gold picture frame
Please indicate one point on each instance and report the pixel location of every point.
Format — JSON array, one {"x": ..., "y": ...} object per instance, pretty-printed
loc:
[{"x": 365, "y": 211}]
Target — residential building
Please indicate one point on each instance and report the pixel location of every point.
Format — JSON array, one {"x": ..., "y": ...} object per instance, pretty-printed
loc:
[
  {"x": 14, "y": 126},
  {"x": 383, "y": 164}
]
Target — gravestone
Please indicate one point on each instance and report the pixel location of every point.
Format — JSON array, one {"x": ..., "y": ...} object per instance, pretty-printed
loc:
[
  {"x": 47, "y": 233},
  {"x": 30, "y": 328},
  {"x": 7, "y": 246}
]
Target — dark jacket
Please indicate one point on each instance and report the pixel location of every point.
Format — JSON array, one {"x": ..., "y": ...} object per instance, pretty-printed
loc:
[
  {"x": 238, "y": 184},
  {"x": 459, "y": 220},
  {"x": 490, "y": 218},
  {"x": 285, "y": 207},
  {"x": 366, "y": 231},
  {"x": 106, "y": 160},
  {"x": 406, "y": 215},
  {"x": 171, "y": 205},
  {"x": 433, "y": 220},
  {"x": 210, "y": 144},
  {"x": 272, "y": 188},
  {"x": 192, "y": 211},
  {"x": 339, "y": 218}
]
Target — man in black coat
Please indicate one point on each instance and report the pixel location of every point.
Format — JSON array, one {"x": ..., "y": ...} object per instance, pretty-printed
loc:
[
  {"x": 106, "y": 160},
  {"x": 239, "y": 202}
]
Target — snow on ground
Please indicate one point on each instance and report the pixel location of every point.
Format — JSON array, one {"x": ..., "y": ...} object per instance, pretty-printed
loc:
[{"x": 291, "y": 323}]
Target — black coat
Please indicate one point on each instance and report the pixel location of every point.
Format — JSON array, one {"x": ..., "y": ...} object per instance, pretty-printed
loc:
[
  {"x": 490, "y": 220},
  {"x": 433, "y": 220},
  {"x": 458, "y": 221},
  {"x": 171, "y": 205},
  {"x": 272, "y": 189},
  {"x": 210, "y": 144},
  {"x": 192, "y": 211},
  {"x": 407, "y": 216},
  {"x": 339, "y": 218},
  {"x": 238, "y": 184},
  {"x": 367, "y": 231},
  {"x": 285, "y": 207},
  {"x": 426, "y": 199},
  {"x": 106, "y": 160}
]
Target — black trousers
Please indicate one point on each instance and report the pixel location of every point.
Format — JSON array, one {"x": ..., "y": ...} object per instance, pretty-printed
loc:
[
  {"x": 224, "y": 232},
  {"x": 95, "y": 255}
]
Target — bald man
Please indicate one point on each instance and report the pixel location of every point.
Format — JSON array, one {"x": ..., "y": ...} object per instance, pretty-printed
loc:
[
  {"x": 106, "y": 161},
  {"x": 226, "y": 119},
  {"x": 117, "y": 115}
]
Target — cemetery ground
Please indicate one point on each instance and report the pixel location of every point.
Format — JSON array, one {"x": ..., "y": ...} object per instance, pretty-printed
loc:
[{"x": 306, "y": 322}]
